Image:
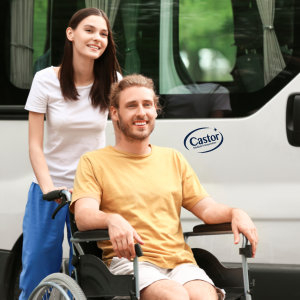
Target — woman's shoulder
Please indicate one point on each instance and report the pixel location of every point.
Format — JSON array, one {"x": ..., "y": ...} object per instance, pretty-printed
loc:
[
  {"x": 46, "y": 78},
  {"x": 49, "y": 73}
]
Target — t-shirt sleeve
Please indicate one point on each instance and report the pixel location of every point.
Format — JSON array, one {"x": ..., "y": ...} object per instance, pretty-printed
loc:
[
  {"x": 37, "y": 98},
  {"x": 86, "y": 184},
  {"x": 192, "y": 190},
  {"x": 119, "y": 76}
]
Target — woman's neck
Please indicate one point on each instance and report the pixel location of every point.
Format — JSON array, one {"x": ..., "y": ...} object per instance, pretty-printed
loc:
[{"x": 83, "y": 72}]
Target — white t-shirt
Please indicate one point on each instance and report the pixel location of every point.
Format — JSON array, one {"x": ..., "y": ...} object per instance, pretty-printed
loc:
[{"x": 72, "y": 127}]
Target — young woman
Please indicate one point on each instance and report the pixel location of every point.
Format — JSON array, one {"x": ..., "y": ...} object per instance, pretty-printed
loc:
[{"x": 74, "y": 97}]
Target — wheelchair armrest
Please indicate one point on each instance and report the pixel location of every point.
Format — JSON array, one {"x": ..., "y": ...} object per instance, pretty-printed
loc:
[
  {"x": 90, "y": 235},
  {"x": 210, "y": 229},
  {"x": 216, "y": 229}
]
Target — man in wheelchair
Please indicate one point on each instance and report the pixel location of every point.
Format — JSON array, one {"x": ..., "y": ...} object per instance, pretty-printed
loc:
[{"x": 136, "y": 190}]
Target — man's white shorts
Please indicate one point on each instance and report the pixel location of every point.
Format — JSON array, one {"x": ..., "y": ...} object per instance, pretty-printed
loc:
[{"x": 149, "y": 273}]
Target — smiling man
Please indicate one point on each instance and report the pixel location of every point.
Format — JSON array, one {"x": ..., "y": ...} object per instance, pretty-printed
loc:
[
  {"x": 136, "y": 190},
  {"x": 136, "y": 116}
]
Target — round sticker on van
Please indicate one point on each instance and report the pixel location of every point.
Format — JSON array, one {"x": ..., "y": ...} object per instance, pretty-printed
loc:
[{"x": 203, "y": 140}]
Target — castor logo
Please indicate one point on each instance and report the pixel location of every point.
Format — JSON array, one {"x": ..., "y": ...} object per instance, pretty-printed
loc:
[{"x": 203, "y": 140}]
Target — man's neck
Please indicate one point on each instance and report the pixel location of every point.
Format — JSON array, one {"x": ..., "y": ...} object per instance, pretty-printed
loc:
[{"x": 133, "y": 147}]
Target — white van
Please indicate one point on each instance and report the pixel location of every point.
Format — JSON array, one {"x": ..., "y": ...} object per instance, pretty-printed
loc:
[{"x": 227, "y": 75}]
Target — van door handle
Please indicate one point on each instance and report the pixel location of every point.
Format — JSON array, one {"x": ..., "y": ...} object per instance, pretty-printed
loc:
[{"x": 293, "y": 120}]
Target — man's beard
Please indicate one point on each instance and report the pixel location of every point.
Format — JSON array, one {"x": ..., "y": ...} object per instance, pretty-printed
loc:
[{"x": 140, "y": 136}]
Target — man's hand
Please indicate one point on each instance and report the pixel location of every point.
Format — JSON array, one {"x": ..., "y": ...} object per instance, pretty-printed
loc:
[
  {"x": 122, "y": 236},
  {"x": 121, "y": 233},
  {"x": 241, "y": 223}
]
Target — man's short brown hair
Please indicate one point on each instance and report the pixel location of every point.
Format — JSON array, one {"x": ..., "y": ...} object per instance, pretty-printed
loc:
[{"x": 131, "y": 81}]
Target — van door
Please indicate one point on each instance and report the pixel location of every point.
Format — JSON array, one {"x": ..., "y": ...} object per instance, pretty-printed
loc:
[{"x": 227, "y": 75}]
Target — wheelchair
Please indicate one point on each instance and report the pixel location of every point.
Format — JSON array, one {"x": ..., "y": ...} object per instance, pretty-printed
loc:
[{"x": 92, "y": 280}]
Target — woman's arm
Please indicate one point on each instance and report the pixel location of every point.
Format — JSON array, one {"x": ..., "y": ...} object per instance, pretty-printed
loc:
[{"x": 36, "y": 152}]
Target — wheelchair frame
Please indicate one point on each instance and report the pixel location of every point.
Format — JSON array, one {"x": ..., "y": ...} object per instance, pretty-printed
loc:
[
  {"x": 91, "y": 266},
  {"x": 245, "y": 251}
]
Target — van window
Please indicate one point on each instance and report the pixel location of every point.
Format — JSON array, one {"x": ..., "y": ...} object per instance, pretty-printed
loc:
[
  {"x": 41, "y": 35},
  {"x": 33, "y": 30},
  {"x": 229, "y": 57},
  {"x": 208, "y": 59},
  {"x": 206, "y": 40}
]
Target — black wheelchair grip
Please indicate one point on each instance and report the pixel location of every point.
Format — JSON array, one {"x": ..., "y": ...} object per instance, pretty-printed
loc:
[
  {"x": 138, "y": 250},
  {"x": 52, "y": 195},
  {"x": 246, "y": 251}
]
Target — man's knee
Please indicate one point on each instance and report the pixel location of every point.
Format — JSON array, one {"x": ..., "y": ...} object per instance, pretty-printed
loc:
[
  {"x": 164, "y": 290},
  {"x": 201, "y": 290}
]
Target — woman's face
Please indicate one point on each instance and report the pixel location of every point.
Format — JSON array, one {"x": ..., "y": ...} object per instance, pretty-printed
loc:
[{"x": 90, "y": 38}]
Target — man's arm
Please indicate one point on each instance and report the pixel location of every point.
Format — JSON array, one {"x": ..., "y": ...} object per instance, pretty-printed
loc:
[
  {"x": 211, "y": 212},
  {"x": 122, "y": 234}
]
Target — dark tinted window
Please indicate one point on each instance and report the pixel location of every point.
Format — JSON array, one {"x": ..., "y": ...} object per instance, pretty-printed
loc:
[{"x": 207, "y": 58}]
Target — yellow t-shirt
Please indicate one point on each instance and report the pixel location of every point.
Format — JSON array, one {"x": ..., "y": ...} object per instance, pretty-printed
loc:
[{"x": 148, "y": 191}]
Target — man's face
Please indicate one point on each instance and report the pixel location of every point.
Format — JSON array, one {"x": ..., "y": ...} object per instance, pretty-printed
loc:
[{"x": 136, "y": 113}]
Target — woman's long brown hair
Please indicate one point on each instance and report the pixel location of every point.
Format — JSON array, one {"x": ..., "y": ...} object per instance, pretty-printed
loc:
[{"x": 105, "y": 67}]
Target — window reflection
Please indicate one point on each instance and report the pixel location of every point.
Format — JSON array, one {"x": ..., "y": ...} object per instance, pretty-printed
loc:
[{"x": 206, "y": 100}]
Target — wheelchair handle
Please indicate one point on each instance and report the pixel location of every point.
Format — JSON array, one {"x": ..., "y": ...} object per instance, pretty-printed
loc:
[
  {"x": 64, "y": 195},
  {"x": 138, "y": 250}
]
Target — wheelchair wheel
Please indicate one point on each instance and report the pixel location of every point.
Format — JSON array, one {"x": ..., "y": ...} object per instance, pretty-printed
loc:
[{"x": 57, "y": 286}]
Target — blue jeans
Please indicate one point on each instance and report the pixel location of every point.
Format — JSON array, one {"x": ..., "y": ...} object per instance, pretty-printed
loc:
[{"x": 42, "y": 240}]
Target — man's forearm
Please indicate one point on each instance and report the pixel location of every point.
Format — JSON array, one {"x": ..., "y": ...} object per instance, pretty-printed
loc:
[
  {"x": 218, "y": 213},
  {"x": 88, "y": 216},
  {"x": 122, "y": 234},
  {"x": 88, "y": 219},
  {"x": 211, "y": 212}
]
